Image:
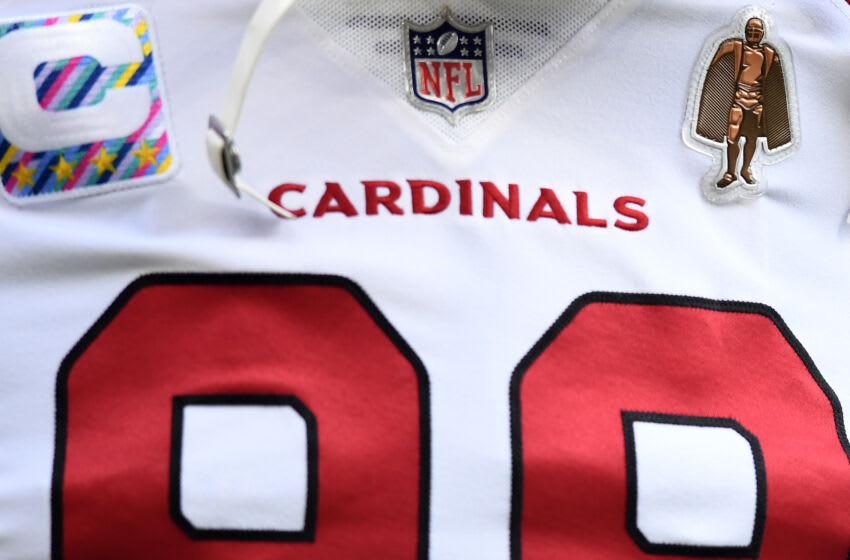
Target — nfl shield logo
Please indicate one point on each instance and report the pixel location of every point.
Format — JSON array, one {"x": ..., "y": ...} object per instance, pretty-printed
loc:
[{"x": 448, "y": 65}]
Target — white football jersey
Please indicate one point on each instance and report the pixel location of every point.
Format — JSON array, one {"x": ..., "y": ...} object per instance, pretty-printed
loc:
[{"x": 568, "y": 280}]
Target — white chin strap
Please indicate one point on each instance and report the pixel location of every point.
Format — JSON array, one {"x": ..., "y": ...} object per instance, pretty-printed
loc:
[{"x": 221, "y": 149}]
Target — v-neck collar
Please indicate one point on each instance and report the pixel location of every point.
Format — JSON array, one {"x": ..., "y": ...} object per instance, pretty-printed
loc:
[{"x": 343, "y": 33}]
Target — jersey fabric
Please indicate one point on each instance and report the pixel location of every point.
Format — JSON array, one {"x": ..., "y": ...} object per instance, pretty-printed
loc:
[{"x": 525, "y": 335}]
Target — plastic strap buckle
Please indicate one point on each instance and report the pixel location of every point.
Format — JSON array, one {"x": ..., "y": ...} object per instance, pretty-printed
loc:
[{"x": 231, "y": 163}]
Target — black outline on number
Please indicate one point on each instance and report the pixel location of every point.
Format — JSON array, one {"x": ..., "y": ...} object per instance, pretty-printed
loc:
[
  {"x": 637, "y": 299},
  {"x": 179, "y": 403},
  {"x": 237, "y": 279},
  {"x": 749, "y": 551}
]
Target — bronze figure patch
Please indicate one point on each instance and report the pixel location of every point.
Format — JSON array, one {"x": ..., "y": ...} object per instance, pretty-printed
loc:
[{"x": 742, "y": 107}]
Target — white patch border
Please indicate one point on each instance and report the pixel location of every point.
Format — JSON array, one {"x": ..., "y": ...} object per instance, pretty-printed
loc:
[
  {"x": 119, "y": 185},
  {"x": 739, "y": 189}
]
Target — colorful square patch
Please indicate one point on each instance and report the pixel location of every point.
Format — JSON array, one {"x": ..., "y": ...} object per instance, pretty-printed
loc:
[{"x": 82, "y": 109}]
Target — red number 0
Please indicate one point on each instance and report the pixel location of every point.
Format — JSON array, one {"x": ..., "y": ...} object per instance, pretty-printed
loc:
[
  {"x": 674, "y": 360},
  {"x": 170, "y": 341}
]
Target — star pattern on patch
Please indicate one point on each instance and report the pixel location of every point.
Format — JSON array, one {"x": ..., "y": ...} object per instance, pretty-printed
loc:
[
  {"x": 101, "y": 154},
  {"x": 103, "y": 161},
  {"x": 431, "y": 51},
  {"x": 23, "y": 175},
  {"x": 146, "y": 154},
  {"x": 63, "y": 169}
]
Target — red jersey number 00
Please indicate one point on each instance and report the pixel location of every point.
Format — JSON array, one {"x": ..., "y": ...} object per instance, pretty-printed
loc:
[{"x": 319, "y": 344}]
